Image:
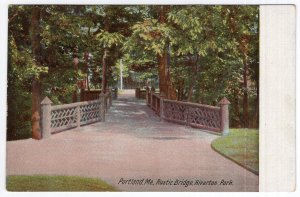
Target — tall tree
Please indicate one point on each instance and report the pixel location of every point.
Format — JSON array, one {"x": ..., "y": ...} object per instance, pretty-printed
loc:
[{"x": 36, "y": 84}]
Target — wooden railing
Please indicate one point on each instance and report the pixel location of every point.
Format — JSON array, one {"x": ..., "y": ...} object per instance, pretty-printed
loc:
[
  {"x": 211, "y": 118},
  {"x": 140, "y": 93},
  {"x": 62, "y": 117},
  {"x": 155, "y": 103},
  {"x": 89, "y": 95}
]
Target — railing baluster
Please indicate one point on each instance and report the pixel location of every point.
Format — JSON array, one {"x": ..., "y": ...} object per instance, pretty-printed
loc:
[{"x": 78, "y": 116}]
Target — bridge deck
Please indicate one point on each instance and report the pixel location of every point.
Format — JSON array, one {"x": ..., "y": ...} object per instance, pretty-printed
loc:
[{"x": 132, "y": 144}]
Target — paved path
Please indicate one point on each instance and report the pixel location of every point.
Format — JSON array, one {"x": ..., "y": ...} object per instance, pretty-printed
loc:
[{"x": 132, "y": 144}]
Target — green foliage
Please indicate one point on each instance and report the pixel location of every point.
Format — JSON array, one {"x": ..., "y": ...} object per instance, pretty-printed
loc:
[
  {"x": 107, "y": 39},
  {"x": 18, "y": 95},
  {"x": 206, "y": 46}
]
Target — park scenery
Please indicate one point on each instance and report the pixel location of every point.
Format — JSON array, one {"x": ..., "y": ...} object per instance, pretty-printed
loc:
[{"x": 132, "y": 98}]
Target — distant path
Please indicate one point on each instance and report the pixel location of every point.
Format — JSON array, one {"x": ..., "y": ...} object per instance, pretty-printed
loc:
[{"x": 132, "y": 143}]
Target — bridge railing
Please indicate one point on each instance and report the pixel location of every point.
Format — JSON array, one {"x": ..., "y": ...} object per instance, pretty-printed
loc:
[
  {"x": 211, "y": 118},
  {"x": 58, "y": 118},
  {"x": 89, "y": 95},
  {"x": 140, "y": 93}
]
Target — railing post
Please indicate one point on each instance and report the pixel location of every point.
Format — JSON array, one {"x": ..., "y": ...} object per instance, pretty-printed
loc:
[
  {"x": 187, "y": 113},
  {"x": 137, "y": 93},
  {"x": 224, "y": 114},
  {"x": 110, "y": 99},
  {"x": 46, "y": 117},
  {"x": 78, "y": 116},
  {"x": 102, "y": 106},
  {"x": 151, "y": 100},
  {"x": 161, "y": 105},
  {"x": 147, "y": 95},
  {"x": 107, "y": 102},
  {"x": 152, "y": 92}
]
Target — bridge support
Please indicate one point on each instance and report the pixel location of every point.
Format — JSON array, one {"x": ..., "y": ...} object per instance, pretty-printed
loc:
[
  {"x": 46, "y": 117},
  {"x": 224, "y": 113}
]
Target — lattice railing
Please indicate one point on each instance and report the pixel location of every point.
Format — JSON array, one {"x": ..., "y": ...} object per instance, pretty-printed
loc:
[
  {"x": 73, "y": 115},
  {"x": 212, "y": 118},
  {"x": 90, "y": 113},
  {"x": 174, "y": 111},
  {"x": 192, "y": 114},
  {"x": 62, "y": 117}
]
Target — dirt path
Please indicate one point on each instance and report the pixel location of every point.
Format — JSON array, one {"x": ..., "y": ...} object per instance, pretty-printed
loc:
[{"x": 132, "y": 144}]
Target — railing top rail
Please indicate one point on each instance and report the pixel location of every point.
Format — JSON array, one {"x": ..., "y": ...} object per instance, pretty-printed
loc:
[
  {"x": 194, "y": 104},
  {"x": 63, "y": 106}
]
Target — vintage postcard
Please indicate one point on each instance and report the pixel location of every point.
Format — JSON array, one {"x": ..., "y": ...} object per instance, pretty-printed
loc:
[{"x": 150, "y": 97}]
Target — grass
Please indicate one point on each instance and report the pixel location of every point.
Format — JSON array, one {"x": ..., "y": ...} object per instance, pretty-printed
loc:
[
  {"x": 241, "y": 146},
  {"x": 56, "y": 183}
]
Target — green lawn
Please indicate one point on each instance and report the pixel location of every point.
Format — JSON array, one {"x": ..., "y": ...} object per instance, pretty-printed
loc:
[
  {"x": 241, "y": 146},
  {"x": 55, "y": 183}
]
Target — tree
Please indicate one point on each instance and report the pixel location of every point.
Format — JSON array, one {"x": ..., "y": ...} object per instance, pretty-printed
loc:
[{"x": 36, "y": 84}]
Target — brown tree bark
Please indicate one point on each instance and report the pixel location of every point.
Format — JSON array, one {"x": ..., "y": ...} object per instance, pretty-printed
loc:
[
  {"x": 36, "y": 85},
  {"x": 180, "y": 89},
  {"x": 246, "y": 97},
  {"x": 104, "y": 72},
  {"x": 104, "y": 57},
  {"x": 236, "y": 107},
  {"x": 194, "y": 69},
  {"x": 165, "y": 85},
  {"x": 256, "y": 114},
  {"x": 86, "y": 58},
  {"x": 244, "y": 49}
]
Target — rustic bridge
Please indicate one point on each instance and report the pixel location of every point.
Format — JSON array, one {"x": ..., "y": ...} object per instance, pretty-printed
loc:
[
  {"x": 94, "y": 105},
  {"x": 133, "y": 142}
]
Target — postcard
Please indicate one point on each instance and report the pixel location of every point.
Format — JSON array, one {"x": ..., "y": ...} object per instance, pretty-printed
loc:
[{"x": 180, "y": 98}]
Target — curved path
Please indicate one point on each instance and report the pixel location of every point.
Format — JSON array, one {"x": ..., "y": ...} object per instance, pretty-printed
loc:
[{"x": 133, "y": 144}]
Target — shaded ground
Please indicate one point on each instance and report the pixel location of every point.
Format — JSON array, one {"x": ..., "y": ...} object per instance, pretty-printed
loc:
[{"x": 132, "y": 144}]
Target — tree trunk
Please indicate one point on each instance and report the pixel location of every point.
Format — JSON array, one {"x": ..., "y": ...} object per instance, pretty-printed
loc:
[
  {"x": 104, "y": 65},
  {"x": 104, "y": 72},
  {"x": 166, "y": 87},
  {"x": 245, "y": 96},
  {"x": 236, "y": 107},
  {"x": 190, "y": 92},
  {"x": 86, "y": 58},
  {"x": 193, "y": 74},
  {"x": 36, "y": 85},
  {"x": 36, "y": 104},
  {"x": 180, "y": 89},
  {"x": 256, "y": 114}
]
